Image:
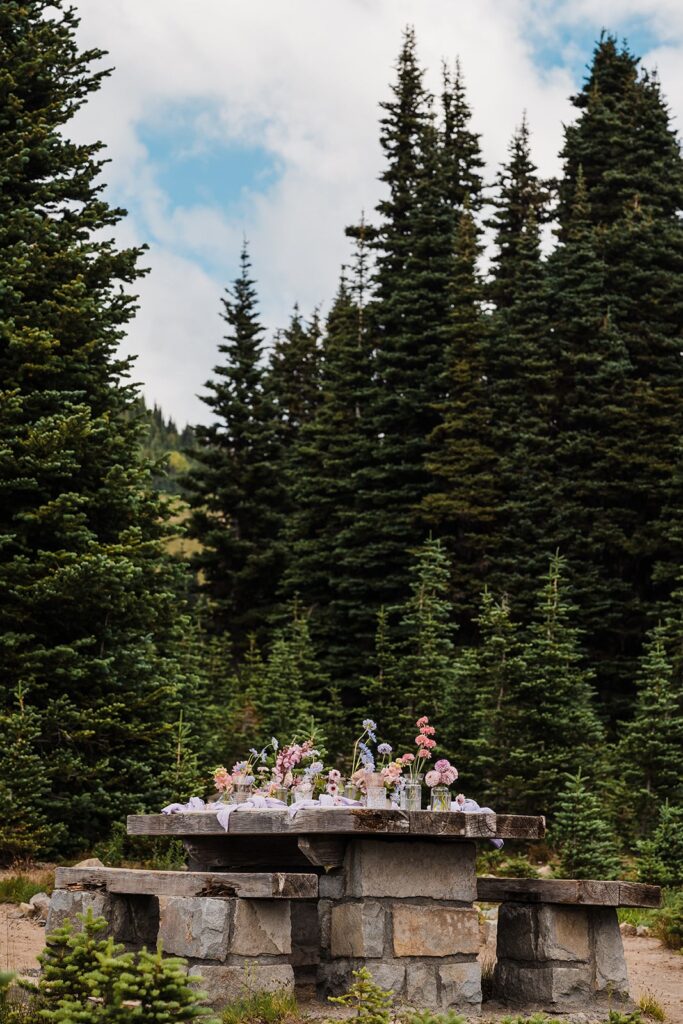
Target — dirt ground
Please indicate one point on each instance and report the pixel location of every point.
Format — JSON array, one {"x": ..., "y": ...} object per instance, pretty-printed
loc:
[{"x": 652, "y": 967}]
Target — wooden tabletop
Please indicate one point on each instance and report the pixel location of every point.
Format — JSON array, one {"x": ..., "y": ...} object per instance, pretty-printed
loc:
[{"x": 343, "y": 821}]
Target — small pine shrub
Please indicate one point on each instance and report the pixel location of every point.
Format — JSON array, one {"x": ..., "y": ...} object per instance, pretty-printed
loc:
[
  {"x": 373, "y": 1004},
  {"x": 517, "y": 866},
  {"x": 585, "y": 841},
  {"x": 668, "y": 924},
  {"x": 661, "y": 856}
]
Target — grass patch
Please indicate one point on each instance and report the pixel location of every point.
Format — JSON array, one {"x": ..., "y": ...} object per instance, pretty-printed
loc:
[
  {"x": 20, "y": 888},
  {"x": 636, "y": 916},
  {"x": 651, "y": 1007},
  {"x": 263, "y": 1008}
]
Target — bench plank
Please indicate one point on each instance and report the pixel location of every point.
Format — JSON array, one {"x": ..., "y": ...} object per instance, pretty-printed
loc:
[
  {"x": 581, "y": 892},
  {"x": 137, "y": 881}
]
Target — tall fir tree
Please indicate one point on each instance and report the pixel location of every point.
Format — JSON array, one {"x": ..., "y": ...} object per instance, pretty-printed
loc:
[
  {"x": 520, "y": 197},
  {"x": 462, "y": 507},
  {"x": 649, "y": 753},
  {"x": 463, "y": 163},
  {"x": 557, "y": 727},
  {"x": 625, "y": 147},
  {"x": 582, "y": 833},
  {"x": 333, "y": 448},
  {"x": 293, "y": 379},
  {"x": 236, "y": 491},
  {"x": 90, "y": 616},
  {"x": 591, "y": 517},
  {"x": 521, "y": 375}
]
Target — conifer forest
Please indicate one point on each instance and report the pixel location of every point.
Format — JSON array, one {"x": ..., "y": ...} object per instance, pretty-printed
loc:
[{"x": 456, "y": 493}]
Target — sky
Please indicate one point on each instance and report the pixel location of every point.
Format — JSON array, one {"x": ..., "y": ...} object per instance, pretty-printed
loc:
[{"x": 258, "y": 119}]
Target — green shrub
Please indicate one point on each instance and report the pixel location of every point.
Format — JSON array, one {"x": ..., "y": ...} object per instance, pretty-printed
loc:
[
  {"x": 427, "y": 1017},
  {"x": 517, "y": 866},
  {"x": 585, "y": 840},
  {"x": 20, "y": 889},
  {"x": 373, "y": 1004},
  {"x": 661, "y": 856},
  {"x": 668, "y": 924},
  {"x": 154, "y": 853}
]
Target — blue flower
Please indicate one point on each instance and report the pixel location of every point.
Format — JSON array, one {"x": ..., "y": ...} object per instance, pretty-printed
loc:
[
  {"x": 366, "y": 757},
  {"x": 369, "y": 725},
  {"x": 384, "y": 748}
]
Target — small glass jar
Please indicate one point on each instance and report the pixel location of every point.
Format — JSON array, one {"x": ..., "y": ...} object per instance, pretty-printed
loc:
[
  {"x": 280, "y": 793},
  {"x": 351, "y": 791},
  {"x": 304, "y": 791},
  {"x": 375, "y": 792},
  {"x": 242, "y": 791},
  {"x": 413, "y": 794},
  {"x": 441, "y": 798}
]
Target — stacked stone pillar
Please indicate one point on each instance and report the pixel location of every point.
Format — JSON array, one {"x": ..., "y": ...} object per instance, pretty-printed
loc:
[
  {"x": 555, "y": 957},
  {"x": 404, "y": 909}
]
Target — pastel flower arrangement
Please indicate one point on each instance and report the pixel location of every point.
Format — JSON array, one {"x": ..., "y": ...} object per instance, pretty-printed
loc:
[
  {"x": 442, "y": 774},
  {"x": 298, "y": 766}
]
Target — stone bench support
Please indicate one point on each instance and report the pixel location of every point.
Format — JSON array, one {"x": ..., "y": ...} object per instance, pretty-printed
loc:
[
  {"x": 403, "y": 909},
  {"x": 231, "y": 929},
  {"x": 559, "y": 946}
]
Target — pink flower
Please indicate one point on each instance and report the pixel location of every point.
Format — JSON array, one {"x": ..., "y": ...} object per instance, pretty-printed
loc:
[
  {"x": 433, "y": 778},
  {"x": 222, "y": 779},
  {"x": 442, "y": 765},
  {"x": 407, "y": 758},
  {"x": 423, "y": 752},
  {"x": 449, "y": 775},
  {"x": 332, "y": 788},
  {"x": 460, "y": 799},
  {"x": 422, "y": 721}
]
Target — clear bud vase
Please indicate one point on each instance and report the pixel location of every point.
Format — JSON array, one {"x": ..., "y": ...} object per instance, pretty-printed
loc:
[
  {"x": 351, "y": 791},
  {"x": 304, "y": 791},
  {"x": 375, "y": 792},
  {"x": 243, "y": 790},
  {"x": 412, "y": 794},
  {"x": 280, "y": 793},
  {"x": 441, "y": 798}
]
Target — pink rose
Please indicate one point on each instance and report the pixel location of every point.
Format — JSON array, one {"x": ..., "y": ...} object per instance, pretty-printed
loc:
[{"x": 433, "y": 778}]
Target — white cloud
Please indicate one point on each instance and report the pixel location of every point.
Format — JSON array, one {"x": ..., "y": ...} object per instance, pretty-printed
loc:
[{"x": 301, "y": 79}]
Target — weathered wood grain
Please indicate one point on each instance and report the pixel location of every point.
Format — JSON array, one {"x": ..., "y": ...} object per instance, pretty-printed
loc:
[
  {"x": 343, "y": 821},
  {"x": 323, "y": 851},
  {"x": 560, "y": 890},
  {"x": 248, "y": 885}
]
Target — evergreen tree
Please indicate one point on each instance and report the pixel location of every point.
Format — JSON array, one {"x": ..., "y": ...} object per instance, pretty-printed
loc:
[
  {"x": 236, "y": 490},
  {"x": 557, "y": 728},
  {"x": 463, "y": 505},
  {"x": 293, "y": 381},
  {"x": 521, "y": 375},
  {"x": 586, "y": 841},
  {"x": 331, "y": 451},
  {"x": 421, "y": 652},
  {"x": 520, "y": 198},
  {"x": 460, "y": 146},
  {"x": 650, "y": 749},
  {"x": 24, "y": 787},
  {"x": 89, "y": 622},
  {"x": 624, "y": 145},
  {"x": 482, "y": 712},
  {"x": 592, "y": 516}
]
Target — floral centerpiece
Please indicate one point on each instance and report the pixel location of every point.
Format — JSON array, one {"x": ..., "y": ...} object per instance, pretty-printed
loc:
[
  {"x": 441, "y": 776},
  {"x": 363, "y": 760}
]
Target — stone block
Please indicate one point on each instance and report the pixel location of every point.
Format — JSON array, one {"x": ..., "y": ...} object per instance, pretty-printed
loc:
[
  {"x": 357, "y": 929},
  {"x": 262, "y": 927},
  {"x": 421, "y": 985},
  {"x": 331, "y": 885},
  {"x": 65, "y": 905},
  {"x": 434, "y": 931},
  {"x": 611, "y": 975},
  {"x": 544, "y": 987},
  {"x": 389, "y": 975},
  {"x": 444, "y": 871},
  {"x": 195, "y": 926},
  {"x": 460, "y": 985},
  {"x": 544, "y": 932},
  {"x": 222, "y": 985},
  {"x": 325, "y": 923},
  {"x": 305, "y": 932}
]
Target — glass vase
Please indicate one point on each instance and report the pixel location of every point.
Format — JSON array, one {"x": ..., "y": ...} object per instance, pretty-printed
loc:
[
  {"x": 441, "y": 798},
  {"x": 375, "y": 792},
  {"x": 413, "y": 794},
  {"x": 280, "y": 793},
  {"x": 242, "y": 792},
  {"x": 351, "y": 792},
  {"x": 302, "y": 792}
]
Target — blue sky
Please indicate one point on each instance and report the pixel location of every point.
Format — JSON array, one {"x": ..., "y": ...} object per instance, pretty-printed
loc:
[{"x": 225, "y": 119}]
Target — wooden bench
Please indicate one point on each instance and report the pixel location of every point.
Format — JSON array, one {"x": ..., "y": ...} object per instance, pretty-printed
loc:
[
  {"x": 558, "y": 944},
  {"x": 220, "y": 921}
]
